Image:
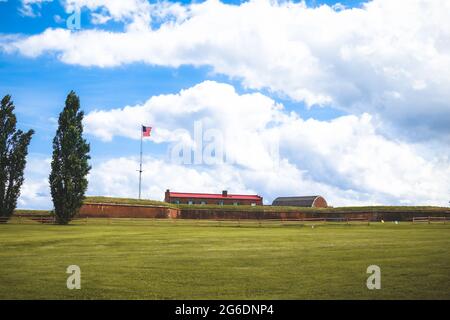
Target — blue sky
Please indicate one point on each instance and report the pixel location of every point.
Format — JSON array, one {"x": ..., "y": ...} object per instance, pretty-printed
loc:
[
  {"x": 320, "y": 91},
  {"x": 39, "y": 85}
]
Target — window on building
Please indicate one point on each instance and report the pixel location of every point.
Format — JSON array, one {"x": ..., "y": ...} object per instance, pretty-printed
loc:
[
  {"x": 235, "y": 203},
  {"x": 221, "y": 203},
  {"x": 203, "y": 202},
  {"x": 190, "y": 202},
  {"x": 253, "y": 204},
  {"x": 176, "y": 201}
]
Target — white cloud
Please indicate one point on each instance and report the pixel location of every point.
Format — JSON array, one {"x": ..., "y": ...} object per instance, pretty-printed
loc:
[
  {"x": 350, "y": 153},
  {"x": 347, "y": 159},
  {"x": 390, "y": 58},
  {"x": 58, "y": 19},
  {"x": 338, "y": 6},
  {"x": 117, "y": 177},
  {"x": 35, "y": 192},
  {"x": 31, "y": 8},
  {"x": 134, "y": 13},
  {"x": 387, "y": 62},
  {"x": 242, "y": 120}
]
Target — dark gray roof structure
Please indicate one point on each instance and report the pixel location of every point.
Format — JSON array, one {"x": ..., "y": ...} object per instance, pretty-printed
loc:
[{"x": 305, "y": 201}]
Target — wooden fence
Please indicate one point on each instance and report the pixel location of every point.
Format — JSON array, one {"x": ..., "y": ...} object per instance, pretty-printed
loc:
[
  {"x": 429, "y": 220},
  {"x": 35, "y": 219},
  {"x": 28, "y": 219}
]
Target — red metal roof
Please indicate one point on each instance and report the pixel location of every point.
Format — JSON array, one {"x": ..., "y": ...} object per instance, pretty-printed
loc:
[{"x": 213, "y": 196}]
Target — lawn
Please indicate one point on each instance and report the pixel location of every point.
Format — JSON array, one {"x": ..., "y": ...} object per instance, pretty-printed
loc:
[{"x": 166, "y": 259}]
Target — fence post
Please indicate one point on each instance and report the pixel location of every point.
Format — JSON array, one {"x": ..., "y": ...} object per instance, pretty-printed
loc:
[{"x": 429, "y": 221}]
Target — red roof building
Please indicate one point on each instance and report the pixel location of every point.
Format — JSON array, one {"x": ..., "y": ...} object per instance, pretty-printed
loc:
[{"x": 223, "y": 198}]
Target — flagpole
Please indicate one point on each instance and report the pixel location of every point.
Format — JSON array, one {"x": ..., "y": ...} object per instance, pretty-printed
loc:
[{"x": 140, "y": 166}]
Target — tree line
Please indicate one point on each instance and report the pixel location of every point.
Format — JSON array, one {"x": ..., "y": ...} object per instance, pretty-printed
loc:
[{"x": 69, "y": 166}]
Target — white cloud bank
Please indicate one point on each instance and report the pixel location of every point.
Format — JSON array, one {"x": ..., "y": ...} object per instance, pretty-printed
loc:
[
  {"x": 388, "y": 58},
  {"x": 35, "y": 192},
  {"x": 347, "y": 160}
]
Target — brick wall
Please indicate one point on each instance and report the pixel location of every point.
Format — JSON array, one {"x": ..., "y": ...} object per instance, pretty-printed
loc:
[
  {"x": 140, "y": 211},
  {"x": 109, "y": 210},
  {"x": 232, "y": 214},
  {"x": 320, "y": 202}
]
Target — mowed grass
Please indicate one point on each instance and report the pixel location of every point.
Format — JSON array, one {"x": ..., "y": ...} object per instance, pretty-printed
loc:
[{"x": 200, "y": 260}]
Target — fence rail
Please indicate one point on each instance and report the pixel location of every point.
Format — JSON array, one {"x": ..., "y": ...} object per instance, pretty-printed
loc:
[
  {"x": 35, "y": 219},
  {"x": 28, "y": 219},
  {"x": 429, "y": 220}
]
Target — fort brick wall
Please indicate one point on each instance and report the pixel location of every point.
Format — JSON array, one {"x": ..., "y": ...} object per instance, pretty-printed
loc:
[
  {"x": 143, "y": 211},
  {"x": 320, "y": 202},
  {"x": 262, "y": 214},
  {"x": 103, "y": 210}
]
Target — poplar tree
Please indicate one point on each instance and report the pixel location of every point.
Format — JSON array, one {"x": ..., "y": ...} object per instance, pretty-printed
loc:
[
  {"x": 69, "y": 167},
  {"x": 13, "y": 152}
]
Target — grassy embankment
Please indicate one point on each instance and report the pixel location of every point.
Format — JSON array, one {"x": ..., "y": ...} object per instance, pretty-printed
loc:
[{"x": 420, "y": 210}]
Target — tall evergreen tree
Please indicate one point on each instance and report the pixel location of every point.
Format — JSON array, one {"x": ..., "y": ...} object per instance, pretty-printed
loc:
[
  {"x": 13, "y": 151},
  {"x": 69, "y": 167}
]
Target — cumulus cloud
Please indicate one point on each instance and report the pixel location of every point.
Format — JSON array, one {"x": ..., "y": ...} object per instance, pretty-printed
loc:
[
  {"x": 351, "y": 153},
  {"x": 348, "y": 159},
  {"x": 386, "y": 63},
  {"x": 389, "y": 58},
  {"x": 35, "y": 192},
  {"x": 117, "y": 177},
  {"x": 135, "y": 14},
  {"x": 31, "y": 8}
]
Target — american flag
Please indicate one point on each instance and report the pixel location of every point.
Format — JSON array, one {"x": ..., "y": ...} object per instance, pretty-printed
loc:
[{"x": 146, "y": 131}]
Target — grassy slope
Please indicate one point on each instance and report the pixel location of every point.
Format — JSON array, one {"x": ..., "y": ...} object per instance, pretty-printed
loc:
[
  {"x": 99, "y": 199},
  {"x": 166, "y": 260},
  {"x": 127, "y": 201},
  {"x": 422, "y": 209},
  {"x": 33, "y": 212}
]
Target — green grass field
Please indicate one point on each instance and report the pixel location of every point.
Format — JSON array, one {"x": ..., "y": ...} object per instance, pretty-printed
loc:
[{"x": 202, "y": 260}]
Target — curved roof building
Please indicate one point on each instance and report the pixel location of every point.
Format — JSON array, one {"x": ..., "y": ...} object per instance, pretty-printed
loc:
[{"x": 305, "y": 201}]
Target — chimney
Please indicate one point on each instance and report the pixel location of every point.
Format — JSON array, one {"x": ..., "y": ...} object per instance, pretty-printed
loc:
[
  {"x": 167, "y": 196},
  {"x": 225, "y": 193}
]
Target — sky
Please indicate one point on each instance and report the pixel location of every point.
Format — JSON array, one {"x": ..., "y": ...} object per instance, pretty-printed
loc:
[{"x": 349, "y": 100}]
